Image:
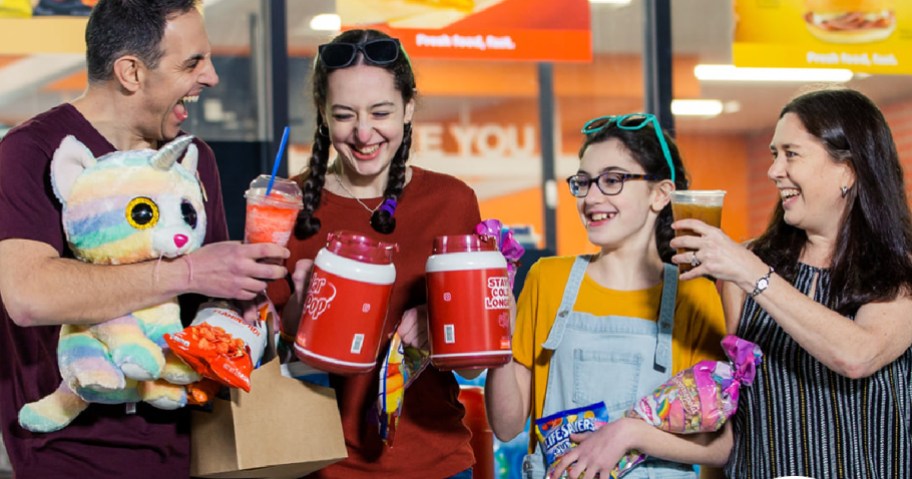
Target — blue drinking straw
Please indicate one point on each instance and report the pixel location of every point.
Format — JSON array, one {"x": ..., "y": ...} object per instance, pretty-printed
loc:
[{"x": 278, "y": 159}]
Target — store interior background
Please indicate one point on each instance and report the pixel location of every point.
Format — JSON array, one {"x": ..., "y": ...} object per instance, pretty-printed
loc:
[{"x": 479, "y": 120}]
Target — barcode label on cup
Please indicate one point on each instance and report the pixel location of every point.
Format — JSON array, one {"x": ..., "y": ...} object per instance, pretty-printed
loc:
[
  {"x": 357, "y": 342},
  {"x": 449, "y": 333}
]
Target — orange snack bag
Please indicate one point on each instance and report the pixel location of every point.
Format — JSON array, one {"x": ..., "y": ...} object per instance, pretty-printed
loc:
[{"x": 220, "y": 345}]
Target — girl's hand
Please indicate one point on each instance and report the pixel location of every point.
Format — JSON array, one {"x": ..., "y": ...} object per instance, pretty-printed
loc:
[{"x": 598, "y": 452}]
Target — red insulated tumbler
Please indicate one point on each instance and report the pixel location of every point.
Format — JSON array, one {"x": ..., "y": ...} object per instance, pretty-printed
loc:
[
  {"x": 346, "y": 305},
  {"x": 468, "y": 303}
]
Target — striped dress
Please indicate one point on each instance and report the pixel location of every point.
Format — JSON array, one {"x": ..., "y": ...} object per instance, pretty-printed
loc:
[{"x": 800, "y": 418}]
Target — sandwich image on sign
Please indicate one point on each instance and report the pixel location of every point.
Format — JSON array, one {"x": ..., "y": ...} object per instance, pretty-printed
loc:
[
  {"x": 409, "y": 13},
  {"x": 850, "y": 21}
]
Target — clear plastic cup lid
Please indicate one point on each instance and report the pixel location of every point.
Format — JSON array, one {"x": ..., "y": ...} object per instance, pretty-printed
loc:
[
  {"x": 283, "y": 190},
  {"x": 699, "y": 197}
]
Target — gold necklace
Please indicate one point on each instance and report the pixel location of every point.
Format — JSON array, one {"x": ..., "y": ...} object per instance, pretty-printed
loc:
[{"x": 369, "y": 210}]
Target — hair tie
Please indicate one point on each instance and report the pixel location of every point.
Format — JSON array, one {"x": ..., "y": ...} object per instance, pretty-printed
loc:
[{"x": 389, "y": 206}]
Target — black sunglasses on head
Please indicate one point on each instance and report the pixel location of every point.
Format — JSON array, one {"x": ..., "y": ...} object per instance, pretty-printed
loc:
[{"x": 381, "y": 51}]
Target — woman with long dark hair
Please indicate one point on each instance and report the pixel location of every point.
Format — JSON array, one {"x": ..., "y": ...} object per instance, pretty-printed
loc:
[{"x": 825, "y": 292}]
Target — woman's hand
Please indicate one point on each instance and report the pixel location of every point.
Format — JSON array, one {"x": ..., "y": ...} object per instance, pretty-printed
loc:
[
  {"x": 713, "y": 253},
  {"x": 598, "y": 452},
  {"x": 413, "y": 328},
  {"x": 291, "y": 314}
]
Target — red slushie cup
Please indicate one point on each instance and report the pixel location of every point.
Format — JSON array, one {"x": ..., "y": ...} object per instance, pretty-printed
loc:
[{"x": 271, "y": 219}]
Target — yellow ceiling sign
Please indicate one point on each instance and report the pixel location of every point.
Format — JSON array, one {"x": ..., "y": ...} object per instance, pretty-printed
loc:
[
  {"x": 42, "y": 35},
  {"x": 870, "y": 36}
]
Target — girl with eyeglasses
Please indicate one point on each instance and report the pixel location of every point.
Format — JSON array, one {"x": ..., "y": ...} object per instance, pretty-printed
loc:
[
  {"x": 614, "y": 325},
  {"x": 826, "y": 292},
  {"x": 364, "y": 92}
]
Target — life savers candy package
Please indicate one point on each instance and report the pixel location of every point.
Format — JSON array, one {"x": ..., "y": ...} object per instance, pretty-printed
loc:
[
  {"x": 220, "y": 345},
  {"x": 553, "y": 432}
]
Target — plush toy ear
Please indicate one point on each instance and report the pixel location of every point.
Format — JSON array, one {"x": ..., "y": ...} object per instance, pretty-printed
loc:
[
  {"x": 70, "y": 160},
  {"x": 191, "y": 159},
  {"x": 168, "y": 154}
]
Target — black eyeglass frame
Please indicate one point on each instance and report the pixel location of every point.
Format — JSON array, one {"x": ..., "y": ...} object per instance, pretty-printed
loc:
[
  {"x": 354, "y": 48},
  {"x": 598, "y": 124},
  {"x": 621, "y": 179}
]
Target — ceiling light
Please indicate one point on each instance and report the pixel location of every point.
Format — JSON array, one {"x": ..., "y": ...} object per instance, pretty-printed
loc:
[
  {"x": 696, "y": 107},
  {"x": 326, "y": 22},
  {"x": 732, "y": 73}
]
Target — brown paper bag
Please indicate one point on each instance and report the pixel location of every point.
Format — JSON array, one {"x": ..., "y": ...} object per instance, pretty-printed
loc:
[{"x": 283, "y": 428}]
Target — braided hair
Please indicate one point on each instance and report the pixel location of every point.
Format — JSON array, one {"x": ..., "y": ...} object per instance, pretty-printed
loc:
[{"x": 312, "y": 180}]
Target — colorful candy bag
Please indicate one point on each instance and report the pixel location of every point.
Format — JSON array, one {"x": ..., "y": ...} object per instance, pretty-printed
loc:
[
  {"x": 399, "y": 369},
  {"x": 220, "y": 345},
  {"x": 553, "y": 432},
  {"x": 698, "y": 399}
]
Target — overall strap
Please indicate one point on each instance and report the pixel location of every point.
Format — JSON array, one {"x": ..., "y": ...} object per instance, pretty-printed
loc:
[
  {"x": 665, "y": 324},
  {"x": 577, "y": 273}
]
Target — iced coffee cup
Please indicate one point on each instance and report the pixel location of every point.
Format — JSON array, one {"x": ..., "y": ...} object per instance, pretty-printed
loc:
[
  {"x": 703, "y": 205},
  {"x": 271, "y": 219}
]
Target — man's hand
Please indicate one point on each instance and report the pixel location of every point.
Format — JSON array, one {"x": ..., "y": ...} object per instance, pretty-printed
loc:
[{"x": 234, "y": 270}]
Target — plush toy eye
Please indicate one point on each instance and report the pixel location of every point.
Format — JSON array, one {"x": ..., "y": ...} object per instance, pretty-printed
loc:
[
  {"x": 142, "y": 213},
  {"x": 189, "y": 213}
]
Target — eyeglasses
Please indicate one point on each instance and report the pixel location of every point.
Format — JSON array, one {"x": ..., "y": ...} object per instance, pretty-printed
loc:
[
  {"x": 610, "y": 183},
  {"x": 381, "y": 51},
  {"x": 633, "y": 121}
]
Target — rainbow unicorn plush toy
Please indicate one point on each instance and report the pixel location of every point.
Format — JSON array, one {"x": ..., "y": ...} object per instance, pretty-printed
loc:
[{"x": 124, "y": 207}]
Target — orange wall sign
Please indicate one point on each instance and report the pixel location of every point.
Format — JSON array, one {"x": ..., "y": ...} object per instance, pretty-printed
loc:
[{"x": 534, "y": 30}]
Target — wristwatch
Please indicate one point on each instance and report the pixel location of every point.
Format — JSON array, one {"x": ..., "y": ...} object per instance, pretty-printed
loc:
[{"x": 762, "y": 283}]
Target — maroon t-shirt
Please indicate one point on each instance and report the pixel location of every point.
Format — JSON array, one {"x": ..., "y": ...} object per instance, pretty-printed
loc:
[{"x": 104, "y": 441}]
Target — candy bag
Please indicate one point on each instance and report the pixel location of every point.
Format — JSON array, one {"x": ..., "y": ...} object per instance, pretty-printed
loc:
[
  {"x": 220, "y": 345},
  {"x": 553, "y": 432},
  {"x": 400, "y": 368},
  {"x": 699, "y": 399},
  {"x": 503, "y": 238}
]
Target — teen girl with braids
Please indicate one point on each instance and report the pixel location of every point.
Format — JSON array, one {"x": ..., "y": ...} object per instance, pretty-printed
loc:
[{"x": 364, "y": 92}]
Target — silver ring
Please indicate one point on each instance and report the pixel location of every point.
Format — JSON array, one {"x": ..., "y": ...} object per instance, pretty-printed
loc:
[{"x": 694, "y": 261}]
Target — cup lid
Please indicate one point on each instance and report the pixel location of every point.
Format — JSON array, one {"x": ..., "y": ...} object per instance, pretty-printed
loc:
[
  {"x": 698, "y": 197},
  {"x": 360, "y": 247},
  {"x": 463, "y": 244},
  {"x": 284, "y": 191}
]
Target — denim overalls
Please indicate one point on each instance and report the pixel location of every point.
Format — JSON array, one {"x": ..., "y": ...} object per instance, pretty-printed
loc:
[{"x": 615, "y": 359}]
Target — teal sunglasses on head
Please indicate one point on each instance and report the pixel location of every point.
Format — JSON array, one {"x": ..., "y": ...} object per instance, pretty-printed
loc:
[{"x": 632, "y": 121}]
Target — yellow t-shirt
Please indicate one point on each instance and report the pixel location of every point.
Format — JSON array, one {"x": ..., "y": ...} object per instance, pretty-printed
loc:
[{"x": 698, "y": 328}]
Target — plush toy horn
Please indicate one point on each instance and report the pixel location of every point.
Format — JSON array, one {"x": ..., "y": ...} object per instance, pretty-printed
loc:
[{"x": 170, "y": 153}]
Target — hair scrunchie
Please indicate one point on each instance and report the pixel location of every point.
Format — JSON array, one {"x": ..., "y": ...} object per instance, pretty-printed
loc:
[{"x": 389, "y": 206}]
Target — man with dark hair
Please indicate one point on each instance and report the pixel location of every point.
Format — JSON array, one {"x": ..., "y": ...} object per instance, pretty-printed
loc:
[{"x": 146, "y": 60}]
